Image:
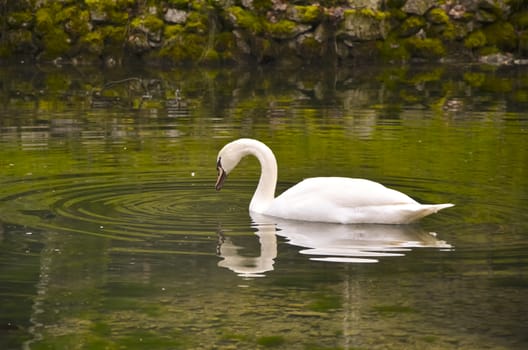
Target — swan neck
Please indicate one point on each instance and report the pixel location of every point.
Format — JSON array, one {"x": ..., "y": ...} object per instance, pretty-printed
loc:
[{"x": 265, "y": 192}]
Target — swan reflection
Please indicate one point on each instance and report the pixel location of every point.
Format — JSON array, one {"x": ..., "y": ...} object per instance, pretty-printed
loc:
[{"x": 361, "y": 243}]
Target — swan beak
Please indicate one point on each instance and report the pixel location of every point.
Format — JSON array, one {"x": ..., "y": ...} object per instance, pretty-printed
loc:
[{"x": 222, "y": 175}]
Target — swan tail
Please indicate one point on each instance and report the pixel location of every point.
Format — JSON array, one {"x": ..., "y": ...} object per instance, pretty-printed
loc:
[
  {"x": 437, "y": 207},
  {"x": 427, "y": 209}
]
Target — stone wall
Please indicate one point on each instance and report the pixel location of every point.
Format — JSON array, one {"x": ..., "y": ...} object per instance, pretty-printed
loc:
[{"x": 249, "y": 31}]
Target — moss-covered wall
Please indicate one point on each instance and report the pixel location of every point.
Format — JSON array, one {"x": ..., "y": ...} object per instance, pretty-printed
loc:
[{"x": 239, "y": 31}]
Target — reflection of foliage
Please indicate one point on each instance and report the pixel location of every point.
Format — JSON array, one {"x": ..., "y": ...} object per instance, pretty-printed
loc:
[{"x": 97, "y": 298}]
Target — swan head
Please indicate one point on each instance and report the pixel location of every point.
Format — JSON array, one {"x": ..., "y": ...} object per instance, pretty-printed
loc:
[
  {"x": 222, "y": 175},
  {"x": 228, "y": 159}
]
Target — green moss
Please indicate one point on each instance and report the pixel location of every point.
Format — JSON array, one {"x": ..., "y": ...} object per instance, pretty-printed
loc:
[
  {"x": 17, "y": 20},
  {"x": 225, "y": 42},
  {"x": 197, "y": 23},
  {"x": 110, "y": 4},
  {"x": 114, "y": 35},
  {"x": 450, "y": 32},
  {"x": 309, "y": 13},
  {"x": 486, "y": 16},
  {"x": 185, "y": 47},
  {"x": 116, "y": 11},
  {"x": 438, "y": 16},
  {"x": 44, "y": 21},
  {"x": 475, "y": 40},
  {"x": 374, "y": 14},
  {"x": 149, "y": 22},
  {"x": 283, "y": 28},
  {"x": 263, "y": 5},
  {"x": 520, "y": 20},
  {"x": 488, "y": 50},
  {"x": 170, "y": 31},
  {"x": 245, "y": 19},
  {"x": 397, "y": 14},
  {"x": 93, "y": 42},
  {"x": 411, "y": 26},
  {"x": 77, "y": 22},
  {"x": 20, "y": 41},
  {"x": 501, "y": 34},
  {"x": 425, "y": 48},
  {"x": 56, "y": 43},
  {"x": 118, "y": 17}
]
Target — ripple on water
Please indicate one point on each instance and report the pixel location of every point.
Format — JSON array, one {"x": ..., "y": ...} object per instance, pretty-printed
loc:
[{"x": 130, "y": 207}]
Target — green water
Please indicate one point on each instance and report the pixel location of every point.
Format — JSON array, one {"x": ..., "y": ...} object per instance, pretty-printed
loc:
[{"x": 113, "y": 237}]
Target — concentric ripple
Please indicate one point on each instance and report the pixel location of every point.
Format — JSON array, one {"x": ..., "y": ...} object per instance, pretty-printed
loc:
[{"x": 125, "y": 207}]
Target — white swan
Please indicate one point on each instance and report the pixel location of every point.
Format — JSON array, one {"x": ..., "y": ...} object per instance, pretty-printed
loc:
[{"x": 321, "y": 199}]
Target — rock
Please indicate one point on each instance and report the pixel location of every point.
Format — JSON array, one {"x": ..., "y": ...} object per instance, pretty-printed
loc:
[
  {"x": 138, "y": 42},
  {"x": 457, "y": 12},
  {"x": 497, "y": 59},
  {"x": 418, "y": 7},
  {"x": 287, "y": 29},
  {"x": 521, "y": 61},
  {"x": 175, "y": 16},
  {"x": 304, "y": 14},
  {"x": 307, "y": 46},
  {"x": 322, "y": 33},
  {"x": 496, "y": 6},
  {"x": 98, "y": 17},
  {"x": 411, "y": 26},
  {"x": 360, "y": 27},
  {"x": 248, "y": 4},
  {"x": 437, "y": 16},
  {"x": 241, "y": 40},
  {"x": 21, "y": 41},
  {"x": 365, "y": 4},
  {"x": 484, "y": 16},
  {"x": 19, "y": 20}
]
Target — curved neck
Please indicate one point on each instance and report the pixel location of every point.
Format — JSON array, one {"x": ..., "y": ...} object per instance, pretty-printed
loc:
[{"x": 265, "y": 192}]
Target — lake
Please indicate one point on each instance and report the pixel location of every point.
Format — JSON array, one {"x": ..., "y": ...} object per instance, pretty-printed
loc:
[{"x": 112, "y": 234}]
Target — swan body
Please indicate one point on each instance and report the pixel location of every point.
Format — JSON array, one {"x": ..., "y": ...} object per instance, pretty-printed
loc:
[{"x": 321, "y": 199}]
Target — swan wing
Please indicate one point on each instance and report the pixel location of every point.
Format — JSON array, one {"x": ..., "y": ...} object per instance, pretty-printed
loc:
[
  {"x": 348, "y": 200},
  {"x": 344, "y": 192}
]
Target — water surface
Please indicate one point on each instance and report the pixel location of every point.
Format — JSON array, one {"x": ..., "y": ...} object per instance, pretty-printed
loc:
[{"x": 112, "y": 236}]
